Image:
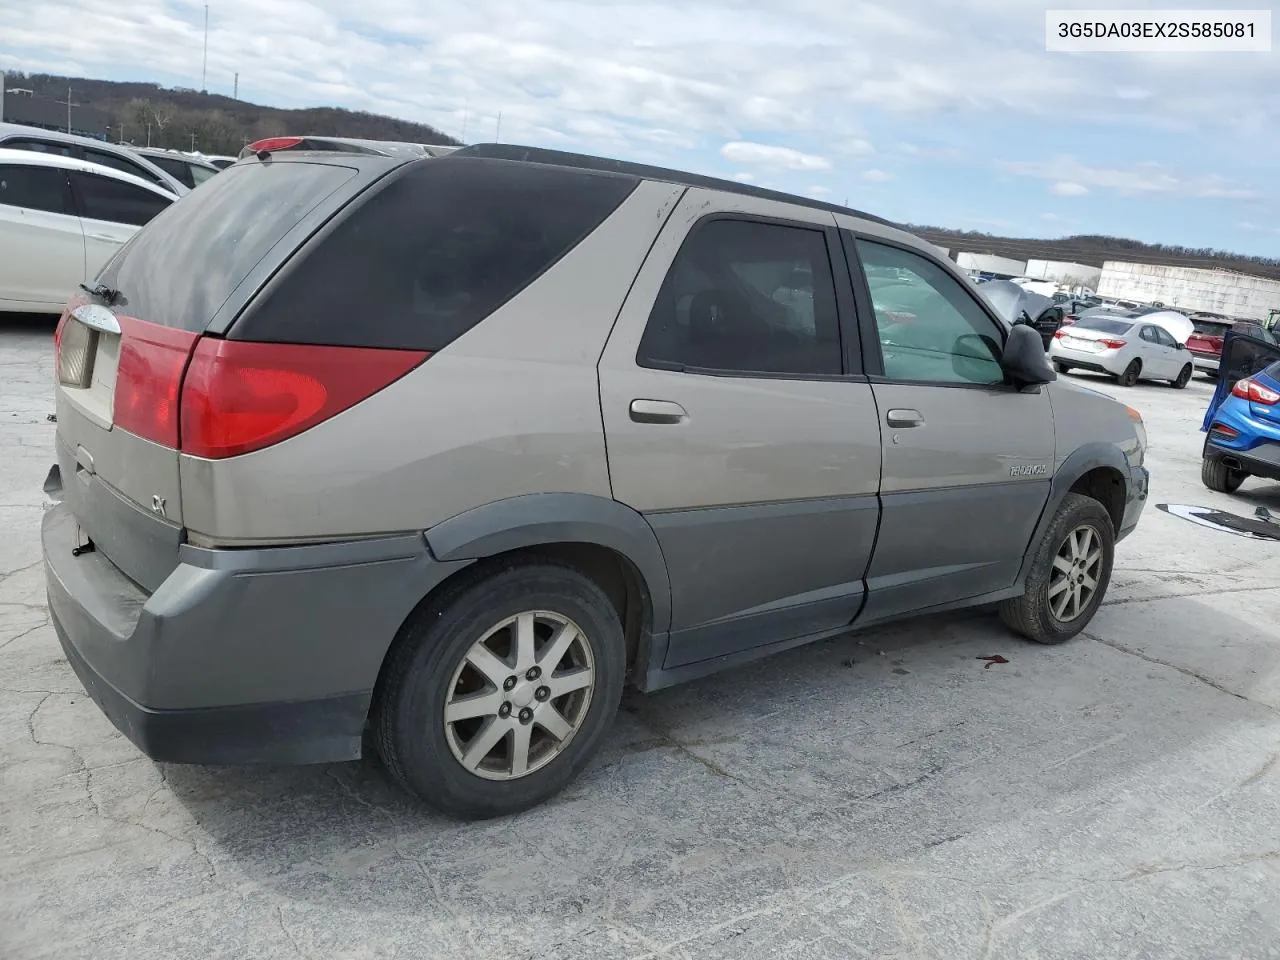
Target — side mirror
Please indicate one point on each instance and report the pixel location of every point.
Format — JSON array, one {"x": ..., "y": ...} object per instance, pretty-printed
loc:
[
  {"x": 1182, "y": 346},
  {"x": 1024, "y": 361}
]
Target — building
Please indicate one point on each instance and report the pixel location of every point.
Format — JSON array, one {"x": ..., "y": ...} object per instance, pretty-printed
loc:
[
  {"x": 23, "y": 106},
  {"x": 1065, "y": 274},
  {"x": 990, "y": 267},
  {"x": 1190, "y": 289}
]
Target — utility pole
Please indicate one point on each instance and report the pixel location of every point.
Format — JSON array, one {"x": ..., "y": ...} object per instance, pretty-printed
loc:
[
  {"x": 204, "y": 69},
  {"x": 497, "y": 130},
  {"x": 69, "y": 106},
  {"x": 235, "y": 89},
  {"x": 466, "y": 112},
  {"x": 122, "y": 133},
  {"x": 193, "y": 143},
  {"x": 148, "y": 133}
]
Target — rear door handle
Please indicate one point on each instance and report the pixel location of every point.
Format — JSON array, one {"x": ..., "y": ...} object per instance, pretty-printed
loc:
[
  {"x": 904, "y": 418},
  {"x": 657, "y": 411}
]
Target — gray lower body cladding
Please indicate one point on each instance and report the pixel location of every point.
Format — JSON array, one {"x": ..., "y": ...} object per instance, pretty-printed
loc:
[{"x": 263, "y": 655}]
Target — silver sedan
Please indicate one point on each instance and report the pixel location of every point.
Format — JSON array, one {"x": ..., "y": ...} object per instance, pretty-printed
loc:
[{"x": 1130, "y": 349}]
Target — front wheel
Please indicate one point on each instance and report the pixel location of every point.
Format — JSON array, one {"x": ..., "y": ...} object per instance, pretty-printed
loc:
[
  {"x": 1069, "y": 575},
  {"x": 500, "y": 691},
  {"x": 1130, "y": 375},
  {"x": 1217, "y": 476},
  {"x": 1183, "y": 378}
]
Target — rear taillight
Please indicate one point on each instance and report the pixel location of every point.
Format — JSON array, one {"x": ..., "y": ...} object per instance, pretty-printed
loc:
[
  {"x": 238, "y": 397},
  {"x": 1223, "y": 431},
  {"x": 1249, "y": 389},
  {"x": 1060, "y": 334},
  {"x": 271, "y": 144},
  {"x": 149, "y": 378},
  {"x": 1113, "y": 344}
]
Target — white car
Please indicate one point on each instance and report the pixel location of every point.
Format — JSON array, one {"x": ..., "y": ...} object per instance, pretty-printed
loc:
[
  {"x": 1128, "y": 348},
  {"x": 61, "y": 220}
]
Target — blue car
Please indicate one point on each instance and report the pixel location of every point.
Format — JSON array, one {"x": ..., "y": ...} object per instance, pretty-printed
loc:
[{"x": 1243, "y": 419}]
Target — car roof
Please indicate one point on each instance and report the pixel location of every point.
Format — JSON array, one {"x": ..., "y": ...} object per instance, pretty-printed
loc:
[
  {"x": 509, "y": 151},
  {"x": 175, "y": 154},
  {"x": 33, "y": 158},
  {"x": 8, "y": 130}
]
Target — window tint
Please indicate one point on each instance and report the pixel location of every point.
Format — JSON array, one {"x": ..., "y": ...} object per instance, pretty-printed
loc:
[
  {"x": 40, "y": 146},
  {"x": 103, "y": 198},
  {"x": 747, "y": 297},
  {"x": 36, "y": 188},
  {"x": 182, "y": 268},
  {"x": 931, "y": 329},
  {"x": 1149, "y": 334},
  {"x": 432, "y": 253},
  {"x": 1165, "y": 338},
  {"x": 198, "y": 174},
  {"x": 123, "y": 164},
  {"x": 175, "y": 168},
  {"x": 1211, "y": 328},
  {"x": 1103, "y": 324}
]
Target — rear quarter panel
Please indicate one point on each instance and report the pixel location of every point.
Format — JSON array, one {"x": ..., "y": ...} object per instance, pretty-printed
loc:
[{"x": 511, "y": 407}]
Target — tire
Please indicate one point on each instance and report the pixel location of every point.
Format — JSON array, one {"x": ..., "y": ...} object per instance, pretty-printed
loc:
[
  {"x": 1217, "y": 476},
  {"x": 1034, "y": 614},
  {"x": 1061, "y": 367},
  {"x": 430, "y": 666},
  {"x": 1130, "y": 375},
  {"x": 1183, "y": 378}
]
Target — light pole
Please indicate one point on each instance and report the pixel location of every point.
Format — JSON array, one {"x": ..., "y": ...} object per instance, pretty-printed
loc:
[{"x": 204, "y": 67}]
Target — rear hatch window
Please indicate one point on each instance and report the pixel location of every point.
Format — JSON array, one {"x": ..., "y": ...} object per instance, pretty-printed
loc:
[
  {"x": 435, "y": 250},
  {"x": 189, "y": 260}
]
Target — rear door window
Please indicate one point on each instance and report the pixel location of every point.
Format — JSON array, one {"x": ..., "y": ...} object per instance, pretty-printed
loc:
[
  {"x": 175, "y": 168},
  {"x": 39, "y": 146},
  {"x": 438, "y": 248},
  {"x": 182, "y": 268},
  {"x": 35, "y": 188},
  {"x": 105, "y": 198},
  {"x": 114, "y": 161}
]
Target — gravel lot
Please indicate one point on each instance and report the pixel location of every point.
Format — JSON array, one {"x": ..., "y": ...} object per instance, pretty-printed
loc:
[{"x": 879, "y": 795}]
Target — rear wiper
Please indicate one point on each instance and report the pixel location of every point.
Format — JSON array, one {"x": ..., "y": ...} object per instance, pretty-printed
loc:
[{"x": 109, "y": 295}]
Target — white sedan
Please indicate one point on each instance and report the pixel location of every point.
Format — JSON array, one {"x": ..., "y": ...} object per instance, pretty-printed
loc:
[
  {"x": 1128, "y": 348},
  {"x": 61, "y": 220}
]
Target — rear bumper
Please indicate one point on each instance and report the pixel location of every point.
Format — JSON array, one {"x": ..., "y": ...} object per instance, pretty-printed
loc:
[
  {"x": 239, "y": 656},
  {"x": 1205, "y": 361},
  {"x": 1262, "y": 460},
  {"x": 1082, "y": 360}
]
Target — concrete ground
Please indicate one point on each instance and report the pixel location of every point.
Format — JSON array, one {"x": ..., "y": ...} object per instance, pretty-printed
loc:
[{"x": 881, "y": 795}]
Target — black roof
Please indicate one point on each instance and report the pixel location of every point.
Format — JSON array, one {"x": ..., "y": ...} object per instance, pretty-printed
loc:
[{"x": 511, "y": 151}]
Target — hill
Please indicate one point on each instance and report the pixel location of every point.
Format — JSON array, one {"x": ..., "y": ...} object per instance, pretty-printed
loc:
[
  {"x": 188, "y": 119},
  {"x": 1093, "y": 250}
]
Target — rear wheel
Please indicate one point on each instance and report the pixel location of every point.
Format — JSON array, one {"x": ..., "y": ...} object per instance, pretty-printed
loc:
[
  {"x": 1216, "y": 475},
  {"x": 1069, "y": 575},
  {"x": 500, "y": 692},
  {"x": 1061, "y": 367},
  {"x": 1130, "y": 375},
  {"x": 1183, "y": 378}
]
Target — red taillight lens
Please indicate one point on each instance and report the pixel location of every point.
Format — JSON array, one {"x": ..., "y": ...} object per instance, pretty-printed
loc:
[
  {"x": 1060, "y": 334},
  {"x": 1227, "y": 433},
  {"x": 1249, "y": 389},
  {"x": 148, "y": 378},
  {"x": 238, "y": 396},
  {"x": 1113, "y": 344},
  {"x": 269, "y": 144}
]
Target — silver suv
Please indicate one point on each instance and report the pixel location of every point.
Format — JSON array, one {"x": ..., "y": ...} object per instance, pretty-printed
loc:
[{"x": 447, "y": 450}]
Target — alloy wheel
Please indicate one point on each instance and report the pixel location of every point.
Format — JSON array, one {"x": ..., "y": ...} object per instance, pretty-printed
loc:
[
  {"x": 520, "y": 695},
  {"x": 1077, "y": 567}
]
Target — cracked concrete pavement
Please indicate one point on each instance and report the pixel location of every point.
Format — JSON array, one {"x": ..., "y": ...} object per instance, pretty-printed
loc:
[{"x": 882, "y": 795}]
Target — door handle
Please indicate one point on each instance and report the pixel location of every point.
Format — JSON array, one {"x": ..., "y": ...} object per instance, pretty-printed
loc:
[
  {"x": 657, "y": 411},
  {"x": 903, "y": 419}
]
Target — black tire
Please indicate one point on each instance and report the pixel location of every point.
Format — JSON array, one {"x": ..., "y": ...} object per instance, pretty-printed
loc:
[
  {"x": 1130, "y": 375},
  {"x": 1183, "y": 378},
  {"x": 415, "y": 685},
  {"x": 1030, "y": 614},
  {"x": 1217, "y": 476},
  {"x": 1061, "y": 367}
]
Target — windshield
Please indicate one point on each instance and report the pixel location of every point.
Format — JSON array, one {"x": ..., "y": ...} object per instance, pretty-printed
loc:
[{"x": 1103, "y": 325}]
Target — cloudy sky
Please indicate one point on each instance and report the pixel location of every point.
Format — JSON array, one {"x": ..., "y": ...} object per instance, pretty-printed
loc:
[{"x": 927, "y": 111}]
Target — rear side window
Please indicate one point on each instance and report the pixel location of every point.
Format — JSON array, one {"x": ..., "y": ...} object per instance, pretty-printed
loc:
[
  {"x": 175, "y": 168},
  {"x": 103, "y": 198},
  {"x": 746, "y": 297},
  {"x": 36, "y": 188},
  {"x": 116, "y": 162},
  {"x": 182, "y": 268},
  {"x": 432, "y": 253},
  {"x": 40, "y": 146}
]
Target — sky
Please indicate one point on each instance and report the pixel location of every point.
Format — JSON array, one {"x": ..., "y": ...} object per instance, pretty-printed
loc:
[{"x": 922, "y": 111}]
